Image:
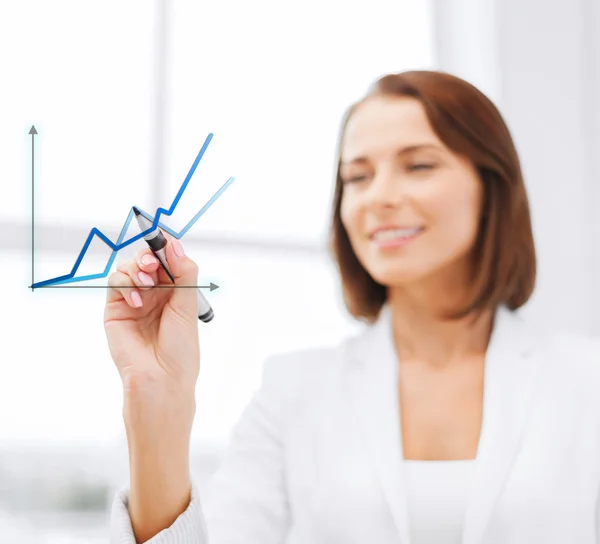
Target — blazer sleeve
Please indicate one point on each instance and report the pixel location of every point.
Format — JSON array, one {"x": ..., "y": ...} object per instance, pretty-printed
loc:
[{"x": 246, "y": 501}]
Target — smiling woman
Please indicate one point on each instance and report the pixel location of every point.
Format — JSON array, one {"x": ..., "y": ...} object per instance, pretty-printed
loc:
[
  {"x": 429, "y": 179},
  {"x": 352, "y": 442}
]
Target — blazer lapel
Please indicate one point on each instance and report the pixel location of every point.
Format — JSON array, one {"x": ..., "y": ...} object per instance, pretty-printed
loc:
[
  {"x": 375, "y": 396},
  {"x": 510, "y": 375},
  {"x": 511, "y": 371}
]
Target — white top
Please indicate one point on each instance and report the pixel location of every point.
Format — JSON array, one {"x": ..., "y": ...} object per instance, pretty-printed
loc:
[
  {"x": 437, "y": 494},
  {"x": 321, "y": 414}
]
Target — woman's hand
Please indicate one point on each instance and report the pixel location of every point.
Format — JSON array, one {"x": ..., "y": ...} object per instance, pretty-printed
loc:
[
  {"x": 153, "y": 339},
  {"x": 153, "y": 332}
]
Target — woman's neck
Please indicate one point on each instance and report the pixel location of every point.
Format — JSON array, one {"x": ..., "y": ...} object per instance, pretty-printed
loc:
[{"x": 422, "y": 335}]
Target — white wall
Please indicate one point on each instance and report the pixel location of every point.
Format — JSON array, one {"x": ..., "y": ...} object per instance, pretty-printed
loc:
[
  {"x": 540, "y": 62},
  {"x": 592, "y": 105}
]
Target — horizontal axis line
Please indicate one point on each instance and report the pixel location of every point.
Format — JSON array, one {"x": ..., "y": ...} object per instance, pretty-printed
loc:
[{"x": 122, "y": 287}]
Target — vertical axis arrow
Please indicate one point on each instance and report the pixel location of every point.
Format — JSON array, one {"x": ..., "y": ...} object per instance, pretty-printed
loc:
[{"x": 33, "y": 132}]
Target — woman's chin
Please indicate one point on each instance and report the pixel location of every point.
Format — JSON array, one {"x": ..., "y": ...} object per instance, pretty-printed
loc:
[{"x": 398, "y": 277}]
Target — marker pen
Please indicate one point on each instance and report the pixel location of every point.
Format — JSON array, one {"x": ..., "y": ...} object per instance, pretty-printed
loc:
[{"x": 157, "y": 242}]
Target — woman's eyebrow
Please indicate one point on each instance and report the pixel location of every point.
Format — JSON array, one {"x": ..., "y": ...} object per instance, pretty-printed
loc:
[
  {"x": 418, "y": 147},
  {"x": 402, "y": 151}
]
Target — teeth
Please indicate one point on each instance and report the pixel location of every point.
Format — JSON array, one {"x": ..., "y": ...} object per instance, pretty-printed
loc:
[{"x": 395, "y": 233}]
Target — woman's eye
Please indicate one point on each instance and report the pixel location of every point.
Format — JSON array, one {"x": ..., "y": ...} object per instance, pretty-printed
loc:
[
  {"x": 420, "y": 166},
  {"x": 355, "y": 179}
]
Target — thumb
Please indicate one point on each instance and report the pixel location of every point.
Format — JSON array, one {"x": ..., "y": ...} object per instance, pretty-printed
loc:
[{"x": 185, "y": 272}]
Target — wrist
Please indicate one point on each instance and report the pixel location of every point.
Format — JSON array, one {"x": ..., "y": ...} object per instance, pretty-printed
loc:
[
  {"x": 144, "y": 386},
  {"x": 152, "y": 406}
]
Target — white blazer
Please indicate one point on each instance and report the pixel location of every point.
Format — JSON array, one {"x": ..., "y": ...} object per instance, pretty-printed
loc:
[{"x": 317, "y": 456}]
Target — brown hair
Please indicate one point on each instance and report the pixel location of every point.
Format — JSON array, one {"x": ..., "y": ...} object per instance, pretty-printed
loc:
[{"x": 470, "y": 125}]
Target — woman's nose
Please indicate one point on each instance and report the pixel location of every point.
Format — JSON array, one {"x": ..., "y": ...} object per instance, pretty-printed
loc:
[{"x": 386, "y": 189}]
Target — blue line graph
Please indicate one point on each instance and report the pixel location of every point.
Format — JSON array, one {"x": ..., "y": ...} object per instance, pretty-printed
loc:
[{"x": 120, "y": 244}]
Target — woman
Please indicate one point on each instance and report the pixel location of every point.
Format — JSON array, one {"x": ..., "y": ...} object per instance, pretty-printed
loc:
[{"x": 449, "y": 419}]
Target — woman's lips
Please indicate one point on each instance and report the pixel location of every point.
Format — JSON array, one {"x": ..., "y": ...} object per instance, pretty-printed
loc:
[{"x": 396, "y": 242}]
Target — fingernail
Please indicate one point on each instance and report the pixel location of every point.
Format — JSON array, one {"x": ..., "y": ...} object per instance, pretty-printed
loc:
[
  {"x": 148, "y": 259},
  {"x": 178, "y": 248},
  {"x": 136, "y": 299},
  {"x": 145, "y": 278}
]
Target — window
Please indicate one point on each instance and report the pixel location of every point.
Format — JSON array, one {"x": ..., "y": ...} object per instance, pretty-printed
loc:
[
  {"x": 76, "y": 74},
  {"x": 271, "y": 80},
  {"x": 121, "y": 115}
]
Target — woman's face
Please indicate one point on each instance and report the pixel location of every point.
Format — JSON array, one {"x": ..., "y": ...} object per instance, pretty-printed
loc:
[{"x": 398, "y": 176}]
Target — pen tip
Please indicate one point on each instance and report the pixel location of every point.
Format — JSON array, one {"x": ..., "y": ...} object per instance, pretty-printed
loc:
[{"x": 136, "y": 211}]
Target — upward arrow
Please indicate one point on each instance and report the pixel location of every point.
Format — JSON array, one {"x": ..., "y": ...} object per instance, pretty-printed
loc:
[{"x": 33, "y": 132}]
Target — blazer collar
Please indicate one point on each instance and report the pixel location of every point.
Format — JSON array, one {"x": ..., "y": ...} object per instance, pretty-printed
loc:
[{"x": 510, "y": 377}]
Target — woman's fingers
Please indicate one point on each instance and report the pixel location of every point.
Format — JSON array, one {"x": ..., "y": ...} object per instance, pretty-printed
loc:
[
  {"x": 123, "y": 287},
  {"x": 140, "y": 278},
  {"x": 146, "y": 260},
  {"x": 133, "y": 275}
]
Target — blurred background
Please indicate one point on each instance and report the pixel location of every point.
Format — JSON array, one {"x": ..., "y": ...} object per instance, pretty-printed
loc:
[{"x": 123, "y": 95}]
